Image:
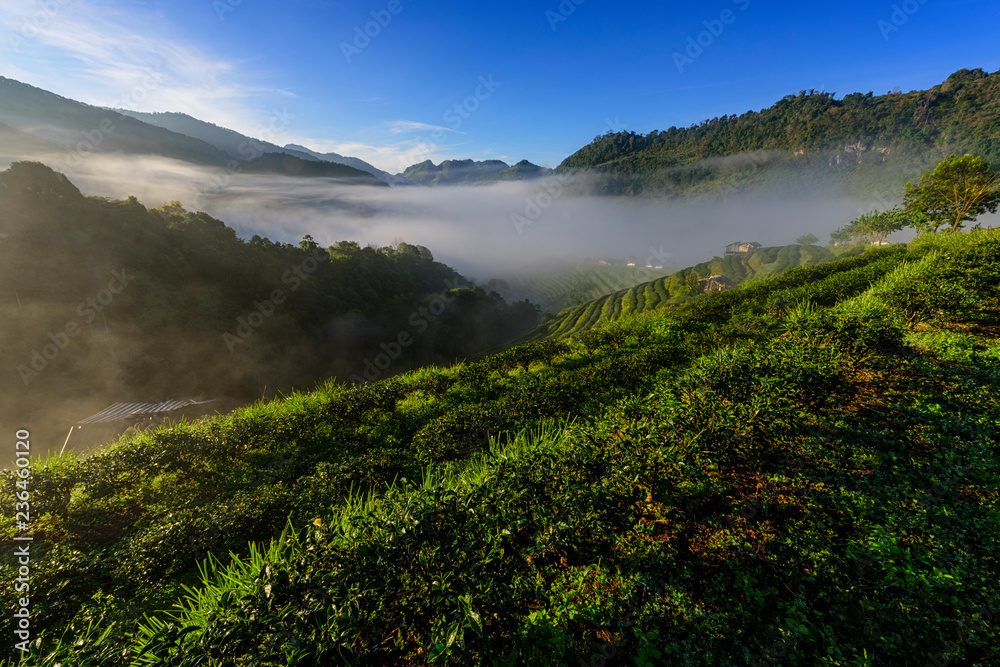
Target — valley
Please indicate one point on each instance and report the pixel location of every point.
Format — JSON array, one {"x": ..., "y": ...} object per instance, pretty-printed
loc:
[{"x": 723, "y": 394}]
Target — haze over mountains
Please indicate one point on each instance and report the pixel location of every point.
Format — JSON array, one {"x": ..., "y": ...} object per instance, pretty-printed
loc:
[
  {"x": 242, "y": 147},
  {"x": 81, "y": 129},
  {"x": 467, "y": 172},
  {"x": 862, "y": 142},
  {"x": 809, "y": 160}
]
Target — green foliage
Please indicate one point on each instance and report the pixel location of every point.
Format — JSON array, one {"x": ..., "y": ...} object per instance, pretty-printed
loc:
[
  {"x": 678, "y": 288},
  {"x": 867, "y": 142},
  {"x": 958, "y": 190},
  {"x": 558, "y": 286},
  {"x": 801, "y": 469},
  {"x": 872, "y": 227},
  {"x": 203, "y": 313}
]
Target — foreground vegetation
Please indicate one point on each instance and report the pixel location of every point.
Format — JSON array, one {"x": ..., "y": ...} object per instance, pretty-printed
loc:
[{"x": 802, "y": 470}]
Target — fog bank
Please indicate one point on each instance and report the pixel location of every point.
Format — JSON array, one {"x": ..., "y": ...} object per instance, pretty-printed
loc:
[{"x": 482, "y": 231}]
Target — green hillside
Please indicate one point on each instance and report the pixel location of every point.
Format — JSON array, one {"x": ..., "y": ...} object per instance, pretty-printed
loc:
[
  {"x": 556, "y": 286},
  {"x": 677, "y": 288},
  {"x": 862, "y": 143},
  {"x": 200, "y": 312},
  {"x": 801, "y": 471},
  {"x": 290, "y": 165}
]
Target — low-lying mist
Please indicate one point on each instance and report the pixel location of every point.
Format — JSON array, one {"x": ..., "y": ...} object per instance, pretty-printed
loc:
[{"x": 482, "y": 231}]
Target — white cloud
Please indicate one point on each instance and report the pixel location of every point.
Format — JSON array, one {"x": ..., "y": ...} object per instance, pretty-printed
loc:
[
  {"x": 95, "y": 52},
  {"x": 402, "y": 126},
  {"x": 92, "y": 52},
  {"x": 392, "y": 157}
]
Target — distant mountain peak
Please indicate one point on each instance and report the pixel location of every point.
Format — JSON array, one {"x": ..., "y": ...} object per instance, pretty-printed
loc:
[{"x": 470, "y": 172}]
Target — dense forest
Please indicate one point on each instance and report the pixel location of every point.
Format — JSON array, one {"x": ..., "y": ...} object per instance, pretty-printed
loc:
[
  {"x": 106, "y": 301},
  {"x": 866, "y": 141}
]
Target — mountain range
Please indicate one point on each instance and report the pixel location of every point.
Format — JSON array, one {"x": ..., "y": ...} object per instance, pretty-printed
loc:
[
  {"x": 863, "y": 144},
  {"x": 34, "y": 121},
  {"x": 464, "y": 172},
  {"x": 74, "y": 126}
]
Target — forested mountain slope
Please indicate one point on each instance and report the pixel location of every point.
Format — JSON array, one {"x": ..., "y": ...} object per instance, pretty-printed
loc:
[
  {"x": 469, "y": 172},
  {"x": 70, "y": 125},
  {"x": 863, "y": 143},
  {"x": 104, "y": 301}
]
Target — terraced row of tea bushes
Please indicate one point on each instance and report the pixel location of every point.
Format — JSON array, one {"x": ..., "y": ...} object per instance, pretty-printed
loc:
[
  {"x": 757, "y": 506},
  {"x": 710, "y": 485}
]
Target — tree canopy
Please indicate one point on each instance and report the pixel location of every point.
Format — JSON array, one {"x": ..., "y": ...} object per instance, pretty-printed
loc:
[
  {"x": 871, "y": 140},
  {"x": 958, "y": 190}
]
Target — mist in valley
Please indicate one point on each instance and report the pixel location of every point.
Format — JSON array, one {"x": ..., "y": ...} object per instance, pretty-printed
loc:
[
  {"x": 491, "y": 231},
  {"x": 483, "y": 231}
]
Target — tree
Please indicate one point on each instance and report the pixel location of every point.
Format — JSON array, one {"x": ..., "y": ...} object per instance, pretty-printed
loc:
[
  {"x": 691, "y": 282},
  {"x": 807, "y": 239},
  {"x": 871, "y": 227},
  {"x": 958, "y": 190},
  {"x": 874, "y": 226},
  {"x": 841, "y": 236}
]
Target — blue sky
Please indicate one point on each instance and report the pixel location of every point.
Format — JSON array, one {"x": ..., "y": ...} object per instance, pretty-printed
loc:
[{"x": 532, "y": 80}]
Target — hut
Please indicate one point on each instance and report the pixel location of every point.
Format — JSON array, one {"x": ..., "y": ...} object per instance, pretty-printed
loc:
[
  {"x": 715, "y": 284},
  {"x": 114, "y": 421},
  {"x": 742, "y": 248}
]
